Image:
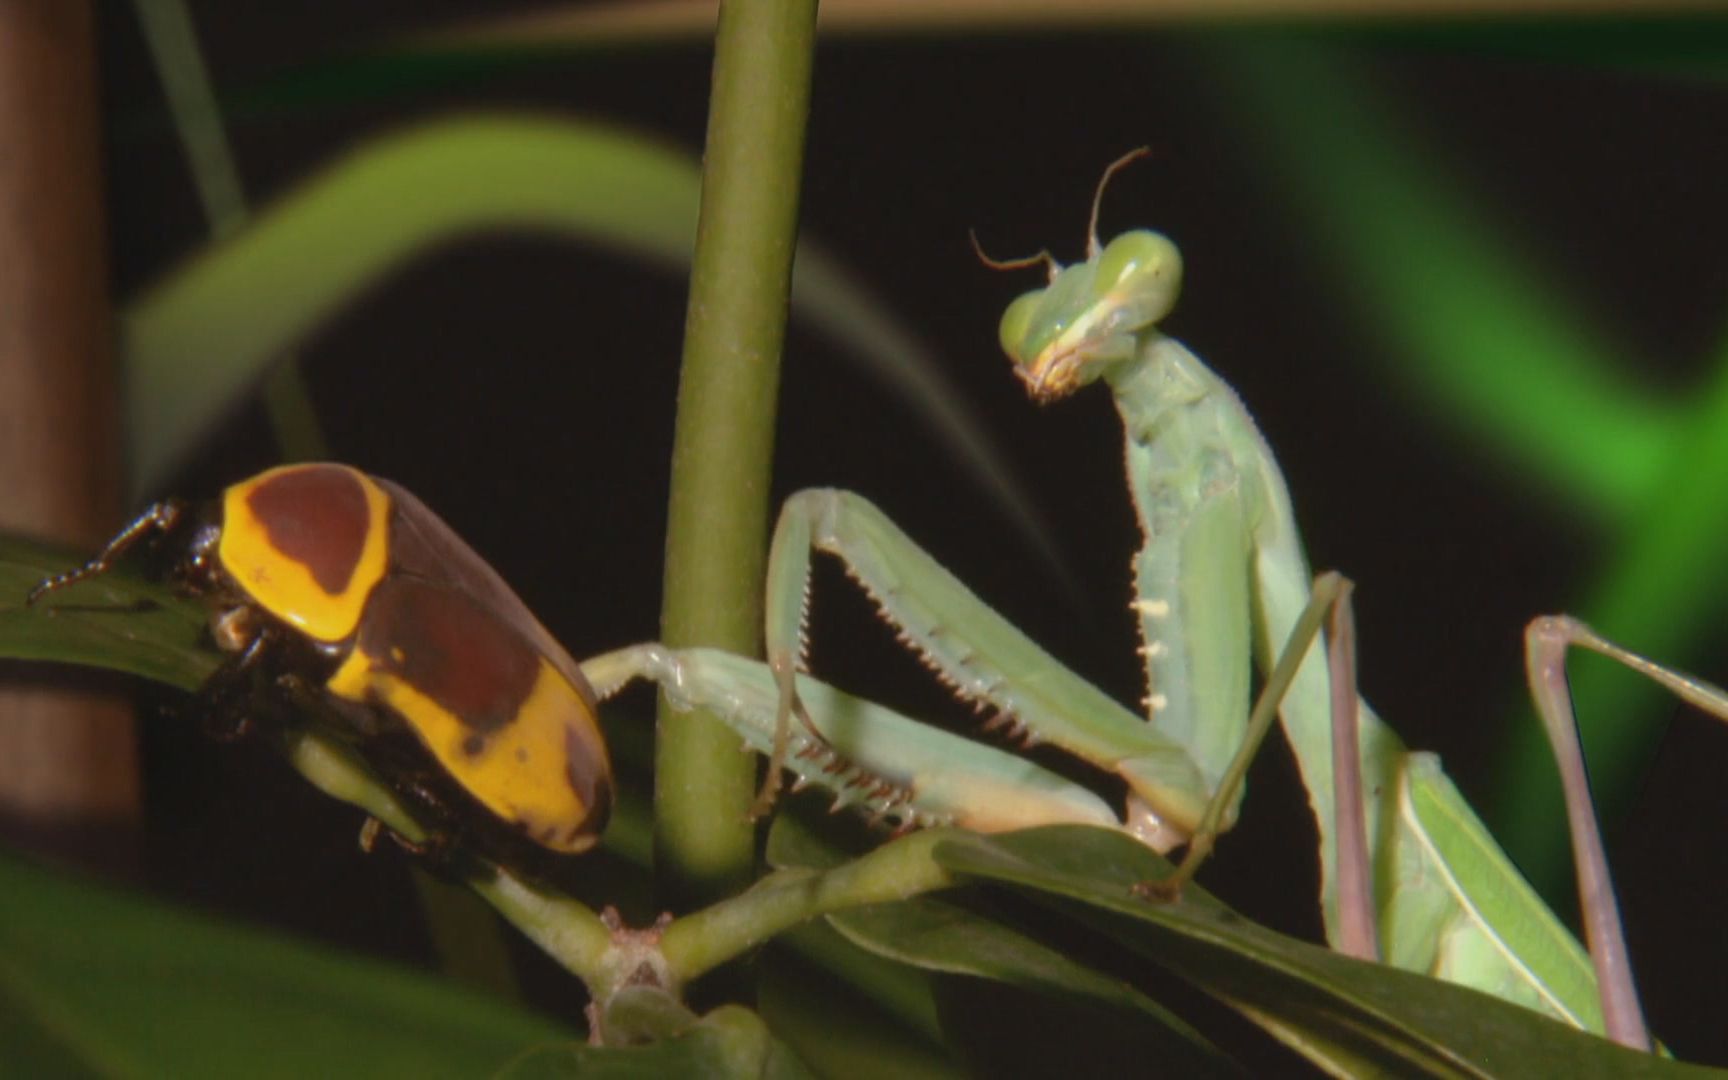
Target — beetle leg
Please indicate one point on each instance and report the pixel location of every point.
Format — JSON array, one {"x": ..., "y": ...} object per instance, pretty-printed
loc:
[
  {"x": 435, "y": 850},
  {"x": 228, "y": 697}
]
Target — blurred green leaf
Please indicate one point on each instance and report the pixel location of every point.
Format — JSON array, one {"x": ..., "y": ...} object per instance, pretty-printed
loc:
[
  {"x": 1487, "y": 343},
  {"x": 1674, "y": 44},
  {"x": 173, "y": 41},
  {"x": 1669, "y": 43},
  {"x": 1660, "y": 591},
  {"x": 1482, "y": 337},
  {"x": 99, "y": 982},
  {"x": 199, "y": 340}
]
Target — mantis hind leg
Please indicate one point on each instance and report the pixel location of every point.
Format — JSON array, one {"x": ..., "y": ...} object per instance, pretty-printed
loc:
[
  {"x": 1546, "y": 642},
  {"x": 1329, "y": 604}
]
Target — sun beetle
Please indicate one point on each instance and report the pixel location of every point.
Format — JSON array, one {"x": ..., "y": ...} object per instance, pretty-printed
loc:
[{"x": 323, "y": 577}]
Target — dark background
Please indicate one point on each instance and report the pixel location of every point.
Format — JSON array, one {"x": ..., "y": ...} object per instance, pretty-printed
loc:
[{"x": 524, "y": 388}]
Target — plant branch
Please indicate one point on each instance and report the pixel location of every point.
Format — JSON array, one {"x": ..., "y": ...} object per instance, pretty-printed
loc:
[
  {"x": 567, "y": 930},
  {"x": 896, "y": 871},
  {"x": 717, "y": 520}
]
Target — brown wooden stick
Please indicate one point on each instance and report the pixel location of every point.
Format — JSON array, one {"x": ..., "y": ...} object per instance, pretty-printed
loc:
[{"x": 68, "y": 758}]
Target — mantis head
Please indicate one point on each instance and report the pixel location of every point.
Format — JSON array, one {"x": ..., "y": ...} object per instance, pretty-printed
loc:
[{"x": 1066, "y": 334}]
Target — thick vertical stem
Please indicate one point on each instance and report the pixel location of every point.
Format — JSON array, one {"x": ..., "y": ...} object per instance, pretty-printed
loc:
[
  {"x": 68, "y": 759},
  {"x": 717, "y": 522}
]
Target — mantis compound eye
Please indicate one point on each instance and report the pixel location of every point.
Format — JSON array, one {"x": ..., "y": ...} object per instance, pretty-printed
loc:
[
  {"x": 1139, "y": 275},
  {"x": 1016, "y": 327}
]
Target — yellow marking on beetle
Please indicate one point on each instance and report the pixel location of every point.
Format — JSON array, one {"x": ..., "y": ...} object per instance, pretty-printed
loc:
[
  {"x": 521, "y": 772},
  {"x": 284, "y": 586}
]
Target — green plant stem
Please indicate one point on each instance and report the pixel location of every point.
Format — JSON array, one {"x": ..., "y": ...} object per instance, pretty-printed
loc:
[
  {"x": 734, "y": 327},
  {"x": 567, "y": 930},
  {"x": 701, "y": 941},
  {"x": 573, "y": 935}
]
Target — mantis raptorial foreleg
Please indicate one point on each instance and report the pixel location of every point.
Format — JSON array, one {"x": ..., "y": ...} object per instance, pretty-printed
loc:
[
  {"x": 978, "y": 653},
  {"x": 990, "y": 664}
]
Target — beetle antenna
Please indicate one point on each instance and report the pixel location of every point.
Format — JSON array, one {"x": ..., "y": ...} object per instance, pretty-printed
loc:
[
  {"x": 159, "y": 518},
  {"x": 1021, "y": 263},
  {"x": 1092, "y": 245}
]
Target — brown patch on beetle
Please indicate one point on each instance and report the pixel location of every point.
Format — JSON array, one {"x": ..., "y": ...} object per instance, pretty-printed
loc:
[{"x": 319, "y": 517}]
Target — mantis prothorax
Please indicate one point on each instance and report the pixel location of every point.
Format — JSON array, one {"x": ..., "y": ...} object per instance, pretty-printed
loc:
[{"x": 1221, "y": 586}]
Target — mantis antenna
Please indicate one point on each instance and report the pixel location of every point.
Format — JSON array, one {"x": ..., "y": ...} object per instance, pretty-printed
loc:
[
  {"x": 1093, "y": 247},
  {"x": 1051, "y": 266}
]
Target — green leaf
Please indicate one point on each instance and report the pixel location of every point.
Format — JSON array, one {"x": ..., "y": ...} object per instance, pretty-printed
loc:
[
  {"x": 95, "y": 981},
  {"x": 935, "y": 936},
  {"x": 1326, "y": 1006},
  {"x": 810, "y": 990},
  {"x": 115, "y": 621}
]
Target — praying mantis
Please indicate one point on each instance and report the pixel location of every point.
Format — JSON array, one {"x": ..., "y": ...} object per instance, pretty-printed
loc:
[{"x": 1409, "y": 873}]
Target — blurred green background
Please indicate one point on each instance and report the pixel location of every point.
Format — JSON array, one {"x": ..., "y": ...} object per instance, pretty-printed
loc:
[{"x": 1468, "y": 276}]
